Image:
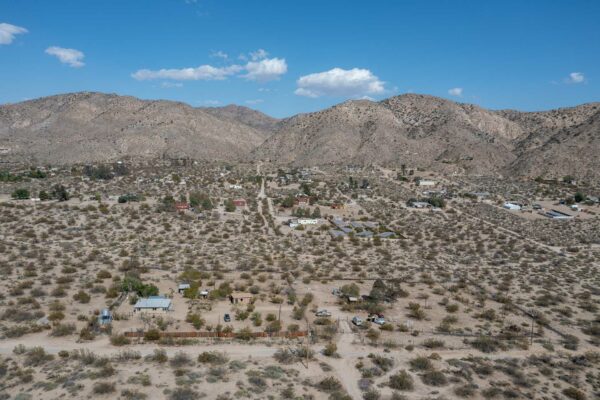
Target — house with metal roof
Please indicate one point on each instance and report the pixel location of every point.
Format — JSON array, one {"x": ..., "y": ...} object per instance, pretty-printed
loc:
[{"x": 153, "y": 303}]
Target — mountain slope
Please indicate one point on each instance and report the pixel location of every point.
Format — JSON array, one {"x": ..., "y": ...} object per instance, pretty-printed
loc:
[
  {"x": 263, "y": 123},
  {"x": 88, "y": 127},
  {"x": 416, "y": 130}
]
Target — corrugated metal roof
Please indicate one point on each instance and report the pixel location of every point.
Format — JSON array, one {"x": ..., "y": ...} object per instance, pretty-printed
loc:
[{"x": 153, "y": 302}]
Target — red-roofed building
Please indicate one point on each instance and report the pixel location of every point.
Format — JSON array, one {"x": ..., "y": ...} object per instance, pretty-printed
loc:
[
  {"x": 239, "y": 203},
  {"x": 182, "y": 206}
]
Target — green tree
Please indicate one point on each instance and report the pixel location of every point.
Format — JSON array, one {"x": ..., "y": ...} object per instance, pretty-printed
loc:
[
  {"x": 579, "y": 197},
  {"x": 21, "y": 194},
  {"x": 229, "y": 206},
  {"x": 60, "y": 193},
  {"x": 44, "y": 196}
]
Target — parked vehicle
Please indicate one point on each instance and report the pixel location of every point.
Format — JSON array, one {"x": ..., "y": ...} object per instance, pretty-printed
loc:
[
  {"x": 379, "y": 321},
  {"x": 336, "y": 292},
  {"x": 323, "y": 313},
  {"x": 357, "y": 321},
  {"x": 227, "y": 318}
]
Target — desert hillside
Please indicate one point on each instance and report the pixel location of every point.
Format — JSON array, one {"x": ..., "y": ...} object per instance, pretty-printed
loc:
[
  {"x": 416, "y": 130},
  {"x": 92, "y": 127}
]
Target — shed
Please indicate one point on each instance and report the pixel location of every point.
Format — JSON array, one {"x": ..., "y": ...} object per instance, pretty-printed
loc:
[{"x": 105, "y": 317}]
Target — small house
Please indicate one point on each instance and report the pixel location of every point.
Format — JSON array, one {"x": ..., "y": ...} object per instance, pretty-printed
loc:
[
  {"x": 426, "y": 182},
  {"x": 239, "y": 203},
  {"x": 241, "y": 298},
  {"x": 182, "y": 206},
  {"x": 512, "y": 206},
  {"x": 153, "y": 303},
  {"x": 308, "y": 221},
  {"x": 302, "y": 201},
  {"x": 204, "y": 294},
  {"x": 183, "y": 287}
]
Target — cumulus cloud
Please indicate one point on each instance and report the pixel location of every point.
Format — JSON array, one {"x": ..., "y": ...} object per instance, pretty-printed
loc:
[
  {"x": 258, "y": 54},
  {"x": 203, "y": 72},
  {"x": 265, "y": 70},
  {"x": 457, "y": 91},
  {"x": 219, "y": 54},
  {"x": 355, "y": 82},
  {"x": 260, "y": 69},
  {"x": 8, "y": 32},
  {"x": 71, "y": 57},
  {"x": 576, "y": 77}
]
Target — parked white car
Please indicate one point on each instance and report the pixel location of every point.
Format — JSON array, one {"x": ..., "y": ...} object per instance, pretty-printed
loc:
[
  {"x": 323, "y": 313},
  {"x": 357, "y": 321}
]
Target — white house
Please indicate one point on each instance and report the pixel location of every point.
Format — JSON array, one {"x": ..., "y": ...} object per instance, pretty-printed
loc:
[
  {"x": 153, "y": 303},
  {"x": 511, "y": 206},
  {"x": 426, "y": 182},
  {"x": 308, "y": 221}
]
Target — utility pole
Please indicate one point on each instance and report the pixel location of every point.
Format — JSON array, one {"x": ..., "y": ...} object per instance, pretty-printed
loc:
[{"x": 531, "y": 335}]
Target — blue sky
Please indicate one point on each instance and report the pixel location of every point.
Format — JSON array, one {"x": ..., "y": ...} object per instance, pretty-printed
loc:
[{"x": 285, "y": 57}]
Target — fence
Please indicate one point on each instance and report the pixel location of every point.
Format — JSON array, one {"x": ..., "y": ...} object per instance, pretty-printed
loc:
[{"x": 289, "y": 335}]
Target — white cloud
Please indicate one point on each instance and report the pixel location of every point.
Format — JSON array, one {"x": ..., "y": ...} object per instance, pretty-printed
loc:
[
  {"x": 254, "y": 101},
  {"x": 260, "y": 69},
  {"x": 219, "y": 54},
  {"x": 212, "y": 102},
  {"x": 258, "y": 54},
  {"x": 576, "y": 77},
  {"x": 8, "y": 32},
  {"x": 71, "y": 57},
  {"x": 169, "y": 85},
  {"x": 355, "y": 82},
  {"x": 265, "y": 70},
  {"x": 457, "y": 91},
  {"x": 203, "y": 72}
]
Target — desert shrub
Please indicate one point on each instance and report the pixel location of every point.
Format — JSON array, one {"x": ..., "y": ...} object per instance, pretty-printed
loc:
[
  {"x": 330, "y": 349},
  {"x": 401, "y": 381},
  {"x": 421, "y": 364},
  {"x": 63, "y": 330},
  {"x": 486, "y": 344},
  {"x": 465, "y": 390},
  {"x": 330, "y": 384},
  {"x": 382, "y": 362},
  {"x": 159, "y": 356},
  {"x": 183, "y": 394},
  {"x": 119, "y": 340},
  {"x": 212, "y": 357},
  {"x": 574, "y": 393},
  {"x": 433, "y": 343},
  {"x": 180, "y": 359},
  {"x": 103, "y": 387},
  {"x": 36, "y": 356},
  {"x": 284, "y": 356},
  {"x": 82, "y": 297},
  {"x": 152, "y": 334},
  {"x": 434, "y": 378},
  {"x": 132, "y": 394},
  {"x": 371, "y": 394}
]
